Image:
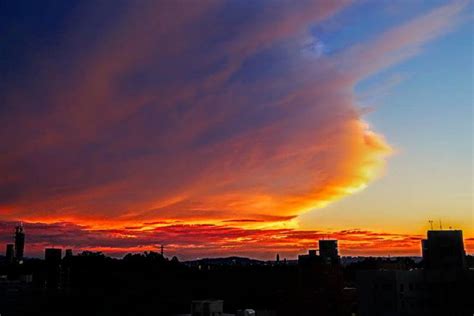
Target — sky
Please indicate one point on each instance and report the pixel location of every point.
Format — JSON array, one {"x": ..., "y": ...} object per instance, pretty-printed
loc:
[{"x": 235, "y": 127}]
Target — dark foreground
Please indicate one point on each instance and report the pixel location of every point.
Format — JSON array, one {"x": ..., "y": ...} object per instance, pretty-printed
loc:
[{"x": 149, "y": 284}]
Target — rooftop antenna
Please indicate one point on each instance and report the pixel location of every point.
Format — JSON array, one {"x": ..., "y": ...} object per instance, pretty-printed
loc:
[
  {"x": 162, "y": 250},
  {"x": 431, "y": 224}
]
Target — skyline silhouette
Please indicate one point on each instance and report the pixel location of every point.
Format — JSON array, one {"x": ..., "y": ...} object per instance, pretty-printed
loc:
[
  {"x": 179, "y": 242},
  {"x": 321, "y": 282}
]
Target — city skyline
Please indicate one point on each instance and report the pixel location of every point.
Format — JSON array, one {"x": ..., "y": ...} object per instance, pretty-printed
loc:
[
  {"x": 177, "y": 244},
  {"x": 320, "y": 282},
  {"x": 450, "y": 241},
  {"x": 236, "y": 128}
]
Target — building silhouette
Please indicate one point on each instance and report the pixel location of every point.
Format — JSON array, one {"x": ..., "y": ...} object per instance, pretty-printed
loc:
[
  {"x": 320, "y": 281},
  {"x": 442, "y": 287},
  {"x": 444, "y": 249},
  {"x": 10, "y": 253},
  {"x": 19, "y": 243},
  {"x": 68, "y": 253},
  {"x": 52, "y": 258},
  {"x": 328, "y": 250}
]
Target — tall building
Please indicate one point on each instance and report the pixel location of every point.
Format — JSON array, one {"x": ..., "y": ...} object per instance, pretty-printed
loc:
[
  {"x": 321, "y": 274},
  {"x": 68, "y": 253},
  {"x": 443, "y": 287},
  {"x": 19, "y": 242},
  {"x": 444, "y": 249},
  {"x": 52, "y": 258},
  {"x": 10, "y": 253},
  {"x": 328, "y": 251}
]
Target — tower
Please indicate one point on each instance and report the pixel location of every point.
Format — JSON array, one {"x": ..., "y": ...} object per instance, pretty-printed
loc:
[
  {"x": 328, "y": 251},
  {"x": 19, "y": 242}
]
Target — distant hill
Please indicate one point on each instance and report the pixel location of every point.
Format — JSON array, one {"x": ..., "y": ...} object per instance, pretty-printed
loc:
[{"x": 227, "y": 261}]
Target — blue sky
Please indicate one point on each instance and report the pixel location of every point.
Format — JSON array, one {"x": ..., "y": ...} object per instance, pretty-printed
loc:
[{"x": 424, "y": 108}]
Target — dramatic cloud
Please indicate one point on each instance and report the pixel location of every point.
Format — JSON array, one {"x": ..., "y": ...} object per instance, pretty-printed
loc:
[{"x": 212, "y": 113}]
